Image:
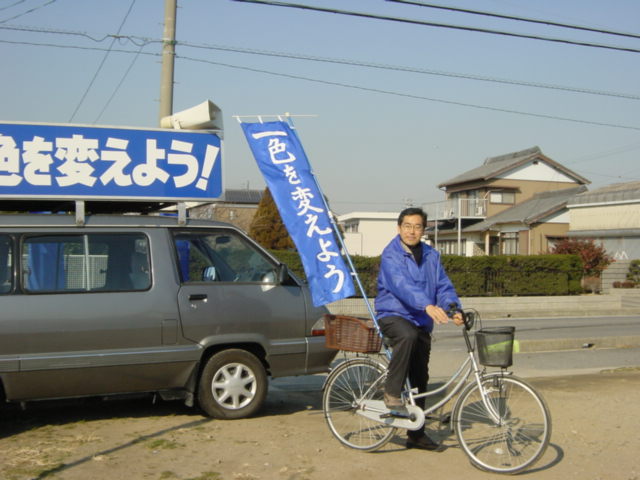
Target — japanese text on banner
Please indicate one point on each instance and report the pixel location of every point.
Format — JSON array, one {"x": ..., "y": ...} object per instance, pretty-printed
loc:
[{"x": 286, "y": 169}]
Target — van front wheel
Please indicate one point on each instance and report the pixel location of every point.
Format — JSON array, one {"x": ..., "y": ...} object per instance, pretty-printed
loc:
[{"x": 233, "y": 385}]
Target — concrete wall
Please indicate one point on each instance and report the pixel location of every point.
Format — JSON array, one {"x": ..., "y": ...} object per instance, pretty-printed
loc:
[
  {"x": 619, "y": 302},
  {"x": 372, "y": 236},
  {"x": 607, "y": 217}
]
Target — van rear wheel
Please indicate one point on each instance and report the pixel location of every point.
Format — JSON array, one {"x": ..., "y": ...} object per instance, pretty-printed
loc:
[{"x": 233, "y": 384}]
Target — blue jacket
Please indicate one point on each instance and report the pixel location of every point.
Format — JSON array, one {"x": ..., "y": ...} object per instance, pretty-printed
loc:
[{"x": 405, "y": 289}]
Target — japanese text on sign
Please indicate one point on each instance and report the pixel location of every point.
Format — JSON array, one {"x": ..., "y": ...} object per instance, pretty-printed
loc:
[{"x": 65, "y": 160}]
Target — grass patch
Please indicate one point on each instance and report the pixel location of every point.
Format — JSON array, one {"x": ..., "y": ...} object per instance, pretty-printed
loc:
[
  {"x": 207, "y": 476},
  {"x": 162, "y": 444}
]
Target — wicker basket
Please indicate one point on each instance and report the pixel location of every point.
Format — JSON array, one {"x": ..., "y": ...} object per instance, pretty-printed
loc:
[
  {"x": 351, "y": 334},
  {"x": 495, "y": 346}
]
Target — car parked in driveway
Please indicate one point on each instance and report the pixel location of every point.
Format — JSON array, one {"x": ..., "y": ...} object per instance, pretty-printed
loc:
[{"x": 121, "y": 304}]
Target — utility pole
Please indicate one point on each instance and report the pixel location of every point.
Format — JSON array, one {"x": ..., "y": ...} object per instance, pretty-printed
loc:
[{"x": 168, "y": 59}]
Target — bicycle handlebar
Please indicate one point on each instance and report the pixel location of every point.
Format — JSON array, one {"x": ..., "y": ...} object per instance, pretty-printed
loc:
[{"x": 468, "y": 316}]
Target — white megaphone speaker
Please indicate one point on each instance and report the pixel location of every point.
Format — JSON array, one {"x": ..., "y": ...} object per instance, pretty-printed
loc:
[{"x": 205, "y": 116}]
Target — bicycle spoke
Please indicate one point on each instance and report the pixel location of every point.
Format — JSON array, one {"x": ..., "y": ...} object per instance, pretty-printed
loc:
[
  {"x": 521, "y": 434},
  {"x": 349, "y": 385}
]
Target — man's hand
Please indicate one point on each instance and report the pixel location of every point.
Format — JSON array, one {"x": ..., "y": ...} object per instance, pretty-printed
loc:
[{"x": 440, "y": 316}]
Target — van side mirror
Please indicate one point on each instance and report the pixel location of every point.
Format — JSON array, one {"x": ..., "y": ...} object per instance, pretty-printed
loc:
[
  {"x": 282, "y": 273},
  {"x": 209, "y": 274}
]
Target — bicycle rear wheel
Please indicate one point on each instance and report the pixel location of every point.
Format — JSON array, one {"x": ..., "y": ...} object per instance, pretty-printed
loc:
[
  {"x": 522, "y": 434},
  {"x": 348, "y": 385}
]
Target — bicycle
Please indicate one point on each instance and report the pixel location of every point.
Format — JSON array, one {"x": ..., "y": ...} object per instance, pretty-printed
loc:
[{"x": 501, "y": 422}]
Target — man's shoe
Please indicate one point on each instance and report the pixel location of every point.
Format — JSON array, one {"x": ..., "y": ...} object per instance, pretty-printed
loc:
[
  {"x": 392, "y": 402},
  {"x": 423, "y": 443}
]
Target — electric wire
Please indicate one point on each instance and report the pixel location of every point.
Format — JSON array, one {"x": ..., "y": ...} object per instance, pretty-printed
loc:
[
  {"x": 520, "y": 19},
  {"x": 12, "y": 5},
  {"x": 399, "y": 68},
  {"x": 438, "y": 25},
  {"x": 415, "y": 97},
  {"x": 136, "y": 40},
  {"x": 339, "y": 84},
  {"x": 99, "y": 69},
  {"x": 78, "y": 47},
  {"x": 49, "y": 2},
  {"x": 142, "y": 41},
  {"x": 120, "y": 83}
]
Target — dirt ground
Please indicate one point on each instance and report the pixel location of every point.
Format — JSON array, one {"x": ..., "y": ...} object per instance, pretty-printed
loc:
[{"x": 596, "y": 435}]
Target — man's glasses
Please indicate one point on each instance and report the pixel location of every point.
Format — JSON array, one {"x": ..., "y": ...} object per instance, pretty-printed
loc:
[{"x": 407, "y": 227}]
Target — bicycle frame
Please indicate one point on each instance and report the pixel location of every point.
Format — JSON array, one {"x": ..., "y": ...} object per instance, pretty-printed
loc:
[
  {"x": 502, "y": 424},
  {"x": 459, "y": 378}
]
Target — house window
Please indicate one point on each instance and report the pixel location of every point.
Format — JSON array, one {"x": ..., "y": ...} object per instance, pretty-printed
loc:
[
  {"x": 508, "y": 198},
  {"x": 509, "y": 244},
  {"x": 448, "y": 247},
  {"x": 553, "y": 241},
  {"x": 351, "y": 227}
]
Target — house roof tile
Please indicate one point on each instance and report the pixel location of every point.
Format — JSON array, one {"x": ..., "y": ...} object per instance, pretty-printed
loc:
[
  {"x": 530, "y": 211},
  {"x": 614, "y": 193},
  {"x": 495, "y": 166}
]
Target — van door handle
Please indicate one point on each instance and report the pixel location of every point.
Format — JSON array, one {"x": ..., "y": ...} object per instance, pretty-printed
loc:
[{"x": 198, "y": 296}]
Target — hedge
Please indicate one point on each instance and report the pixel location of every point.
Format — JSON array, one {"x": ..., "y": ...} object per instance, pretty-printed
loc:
[{"x": 482, "y": 276}]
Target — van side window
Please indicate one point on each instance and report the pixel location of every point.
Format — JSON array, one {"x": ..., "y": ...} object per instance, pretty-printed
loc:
[
  {"x": 85, "y": 263},
  {"x": 6, "y": 263},
  {"x": 221, "y": 257}
]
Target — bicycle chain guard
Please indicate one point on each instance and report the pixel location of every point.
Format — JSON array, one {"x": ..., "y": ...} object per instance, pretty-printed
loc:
[{"x": 376, "y": 410}]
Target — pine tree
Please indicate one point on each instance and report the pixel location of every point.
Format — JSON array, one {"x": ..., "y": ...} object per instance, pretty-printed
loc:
[{"x": 267, "y": 228}]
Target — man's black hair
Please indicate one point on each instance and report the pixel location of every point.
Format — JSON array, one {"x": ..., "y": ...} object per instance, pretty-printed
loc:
[{"x": 412, "y": 211}]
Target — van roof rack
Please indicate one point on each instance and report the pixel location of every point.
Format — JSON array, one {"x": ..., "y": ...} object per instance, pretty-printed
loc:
[{"x": 81, "y": 208}]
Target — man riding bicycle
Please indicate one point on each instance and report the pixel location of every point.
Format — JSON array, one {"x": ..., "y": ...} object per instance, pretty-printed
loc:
[{"x": 413, "y": 293}]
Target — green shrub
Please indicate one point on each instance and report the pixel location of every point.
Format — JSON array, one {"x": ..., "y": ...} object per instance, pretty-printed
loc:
[
  {"x": 481, "y": 276},
  {"x": 634, "y": 271}
]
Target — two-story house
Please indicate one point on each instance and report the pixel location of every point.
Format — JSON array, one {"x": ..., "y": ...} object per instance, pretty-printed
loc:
[{"x": 511, "y": 204}]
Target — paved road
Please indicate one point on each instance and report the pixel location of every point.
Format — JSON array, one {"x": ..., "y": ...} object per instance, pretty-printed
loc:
[
  {"x": 549, "y": 347},
  {"x": 553, "y": 346}
]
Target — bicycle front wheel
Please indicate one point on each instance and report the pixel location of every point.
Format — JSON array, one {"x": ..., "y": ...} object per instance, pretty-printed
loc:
[
  {"x": 346, "y": 388},
  {"x": 520, "y": 436}
]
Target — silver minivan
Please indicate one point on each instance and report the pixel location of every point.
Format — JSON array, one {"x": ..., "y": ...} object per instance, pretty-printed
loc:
[{"x": 119, "y": 304}]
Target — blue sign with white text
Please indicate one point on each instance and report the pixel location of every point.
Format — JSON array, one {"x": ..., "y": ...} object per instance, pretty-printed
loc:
[
  {"x": 287, "y": 172},
  {"x": 69, "y": 161}
]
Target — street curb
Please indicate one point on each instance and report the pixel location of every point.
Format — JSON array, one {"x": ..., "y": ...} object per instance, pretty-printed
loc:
[{"x": 558, "y": 344}]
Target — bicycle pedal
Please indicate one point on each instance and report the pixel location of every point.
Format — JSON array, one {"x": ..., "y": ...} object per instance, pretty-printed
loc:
[{"x": 398, "y": 414}]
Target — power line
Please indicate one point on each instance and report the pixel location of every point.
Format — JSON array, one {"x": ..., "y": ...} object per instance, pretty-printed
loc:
[
  {"x": 415, "y": 97},
  {"x": 138, "y": 41},
  {"x": 520, "y": 19},
  {"x": 400, "y": 68},
  {"x": 143, "y": 41},
  {"x": 76, "y": 47},
  {"x": 49, "y": 2},
  {"x": 104, "y": 59},
  {"x": 115, "y": 91},
  {"x": 344, "y": 85},
  {"x": 438, "y": 25},
  {"x": 12, "y": 5}
]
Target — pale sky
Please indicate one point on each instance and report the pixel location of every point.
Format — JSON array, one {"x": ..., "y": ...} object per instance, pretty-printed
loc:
[{"x": 393, "y": 108}]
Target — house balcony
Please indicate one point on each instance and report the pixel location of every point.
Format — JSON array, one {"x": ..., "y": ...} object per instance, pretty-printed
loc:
[{"x": 463, "y": 208}]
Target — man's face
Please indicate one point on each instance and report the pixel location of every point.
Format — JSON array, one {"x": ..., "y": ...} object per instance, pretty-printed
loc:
[{"x": 411, "y": 229}]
